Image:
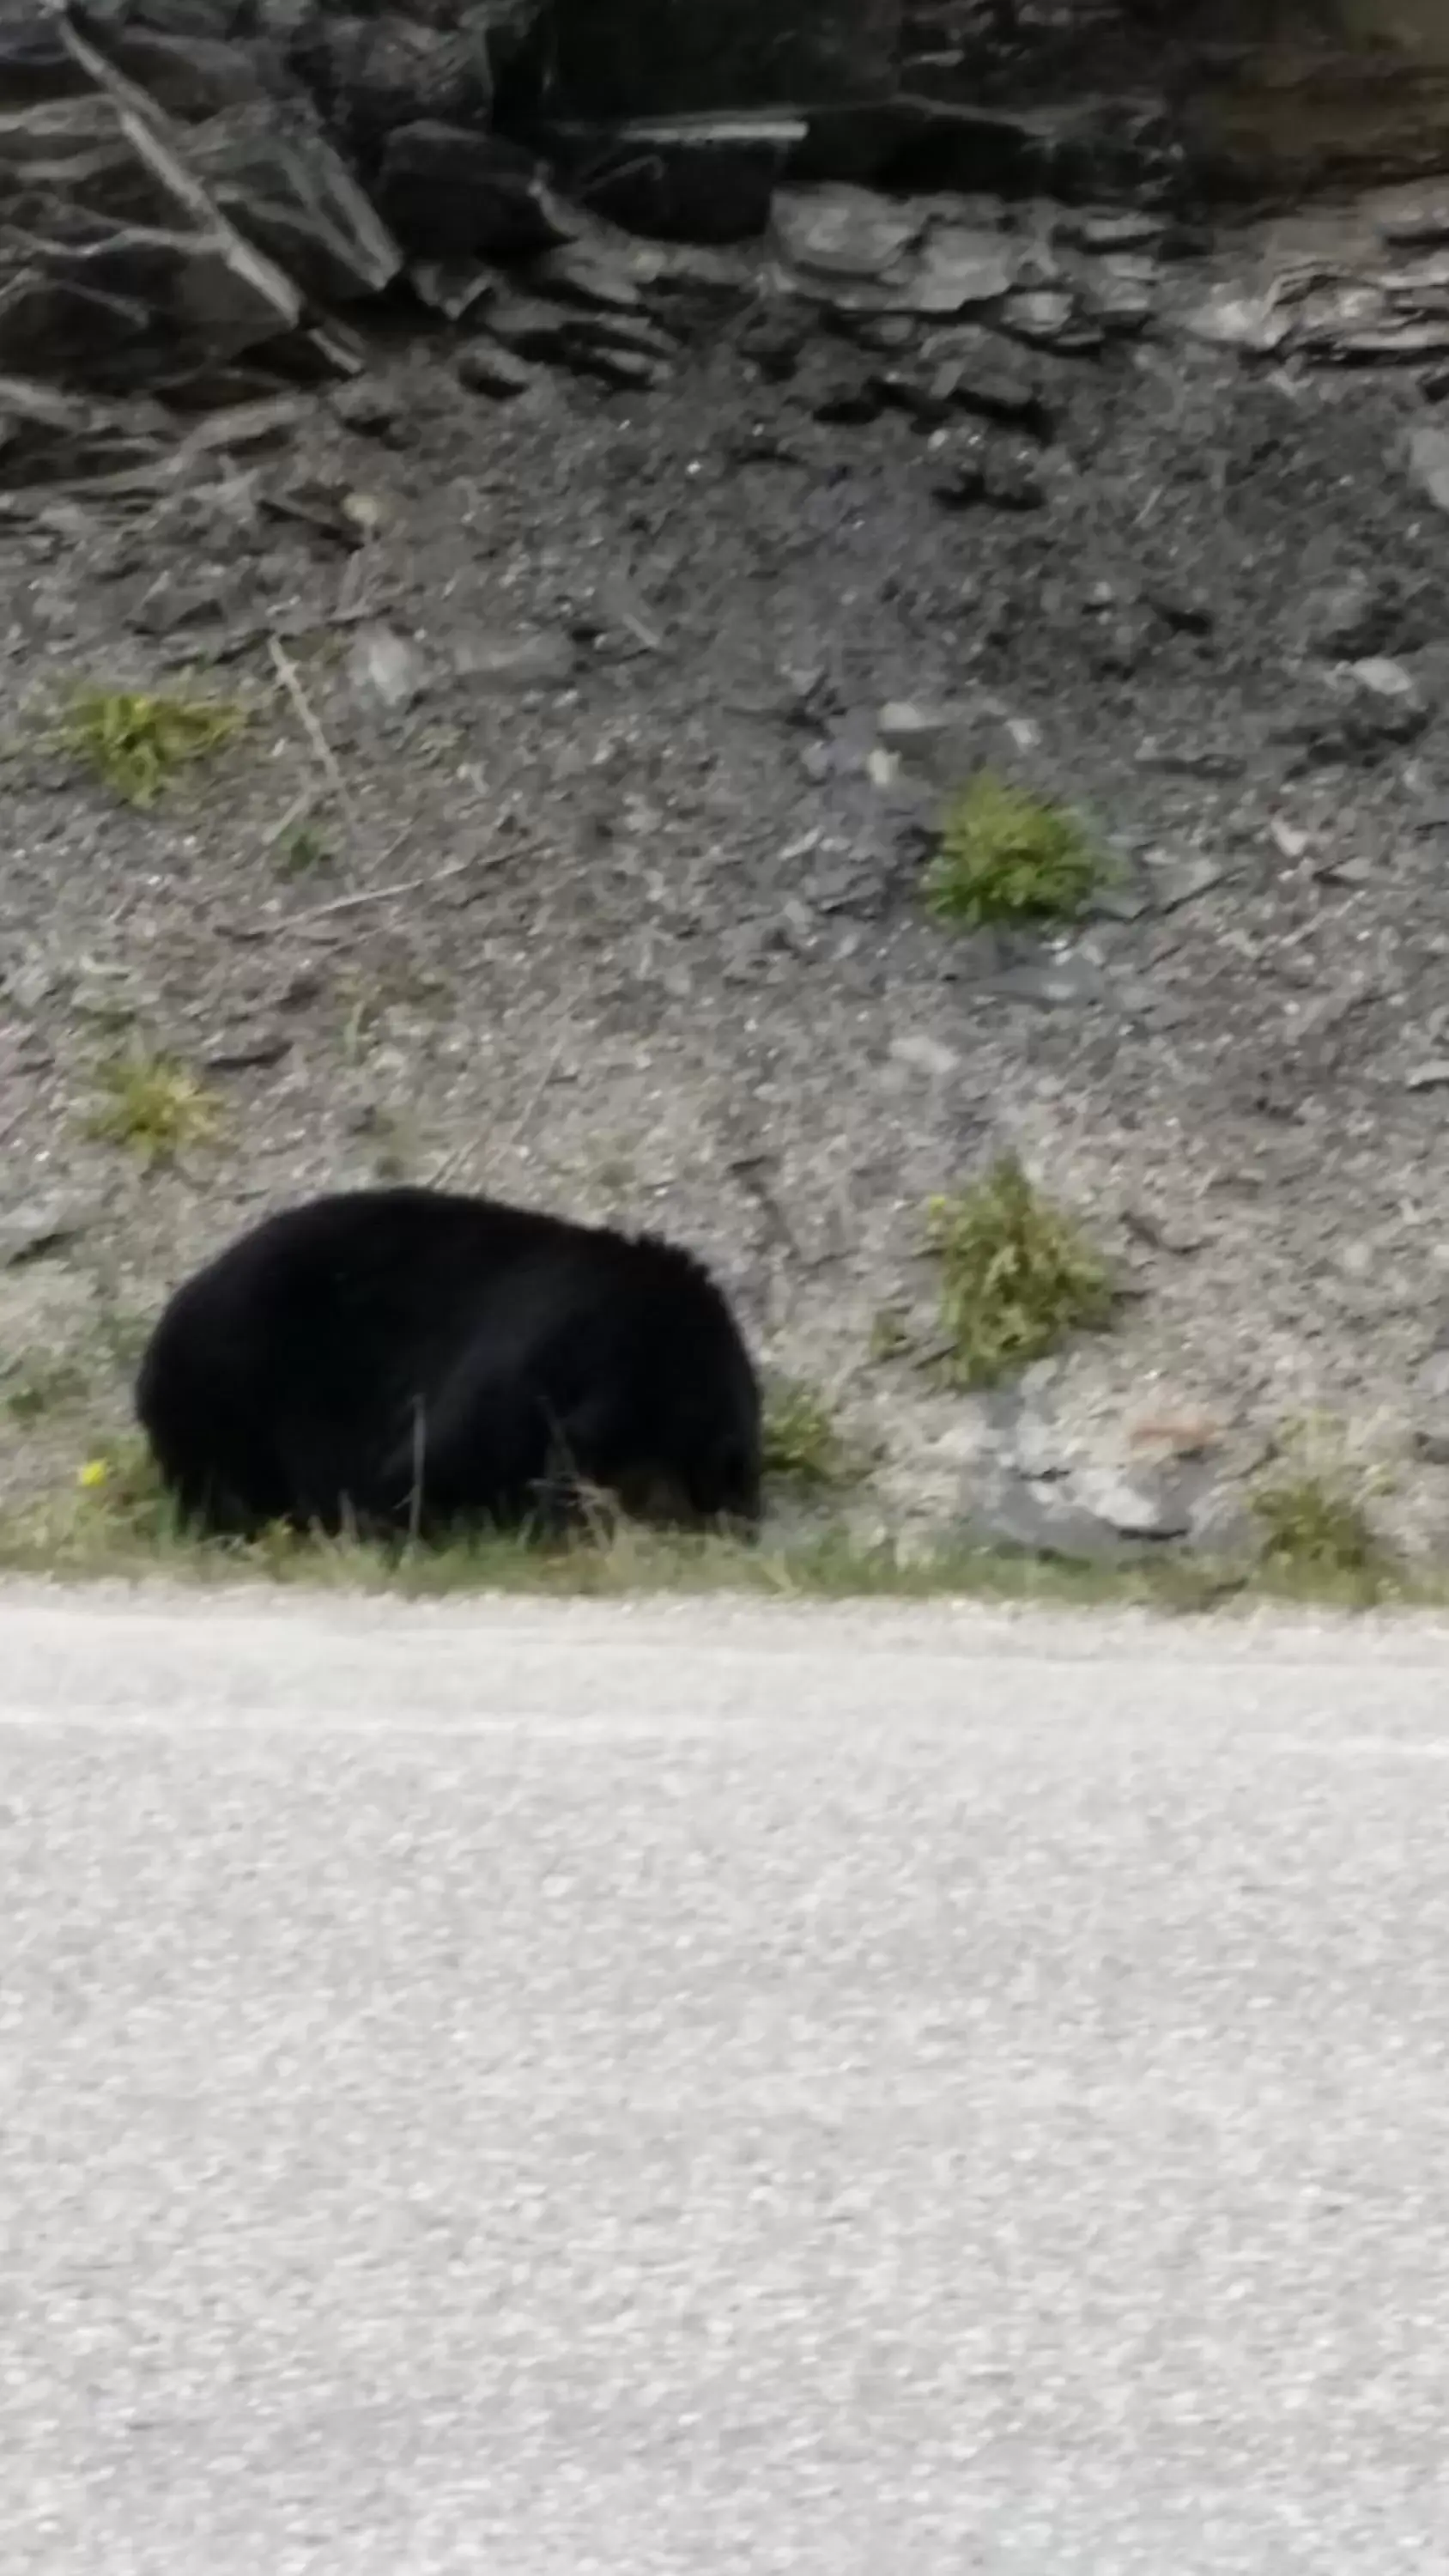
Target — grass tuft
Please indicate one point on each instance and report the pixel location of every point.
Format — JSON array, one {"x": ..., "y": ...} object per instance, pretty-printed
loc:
[
  {"x": 805, "y": 1447},
  {"x": 1311, "y": 1510},
  {"x": 1003, "y": 857},
  {"x": 152, "y": 1107},
  {"x": 1017, "y": 1277},
  {"x": 137, "y": 743}
]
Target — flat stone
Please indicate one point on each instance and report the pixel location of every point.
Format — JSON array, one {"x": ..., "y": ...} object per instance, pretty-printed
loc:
[
  {"x": 527, "y": 325},
  {"x": 1006, "y": 1510},
  {"x": 1120, "y": 304},
  {"x": 577, "y": 274},
  {"x": 1178, "y": 881},
  {"x": 1145, "y": 1507},
  {"x": 907, "y": 723},
  {"x": 247, "y": 1050},
  {"x": 1053, "y": 983},
  {"x": 1415, "y": 227},
  {"x": 487, "y": 368},
  {"x": 39, "y": 1227},
  {"x": 521, "y": 661},
  {"x": 1109, "y": 228},
  {"x": 842, "y": 232},
  {"x": 614, "y": 365},
  {"x": 1050, "y": 317},
  {"x": 959, "y": 268},
  {"x": 1228, "y": 319}
]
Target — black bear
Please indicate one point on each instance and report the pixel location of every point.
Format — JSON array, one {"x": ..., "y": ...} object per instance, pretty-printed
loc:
[{"x": 409, "y": 1359}]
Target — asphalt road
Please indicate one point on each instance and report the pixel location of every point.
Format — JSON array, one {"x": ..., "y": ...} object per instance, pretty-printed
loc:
[{"x": 687, "y": 2092}]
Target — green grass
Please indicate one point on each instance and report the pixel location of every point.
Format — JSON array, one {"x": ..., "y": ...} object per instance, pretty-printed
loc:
[
  {"x": 1315, "y": 1530},
  {"x": 805, "y": 1448},
  {"x": 152, "y": 1107},
  {"x": 113, "y": 1521},
  {"x": 137, "y": 743},
  {"x": 1005, "y": 858},
  {"x": 1017, "y": 1276}
]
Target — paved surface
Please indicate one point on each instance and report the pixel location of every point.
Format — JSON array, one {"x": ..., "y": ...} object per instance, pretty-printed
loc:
[{"x": 699, "y": 2093}]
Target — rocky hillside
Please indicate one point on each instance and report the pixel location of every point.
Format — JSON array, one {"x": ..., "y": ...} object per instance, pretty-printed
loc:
[{"x": 597, "y": 648}]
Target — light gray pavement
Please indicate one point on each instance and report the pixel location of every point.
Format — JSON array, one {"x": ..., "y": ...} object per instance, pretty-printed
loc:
[{"x": 701, "y": 2092}]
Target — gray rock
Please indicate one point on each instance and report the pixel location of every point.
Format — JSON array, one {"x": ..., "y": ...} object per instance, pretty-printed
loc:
[
  {"x": 1051, "y": 317},
  {"x": 960, "y": 268},
  {"x": 975, "y": 371},
  {"x": 39, "y": 1227},
  {"x": 1177, "y": 881},
  {"x": 925, "y": 1054},
  {"x": 146, "y": 250},
  {"x": 1429, "y": 462},
  {"x": 386, "y": 671},
  {"x": 271, "y": 172},
  {"x": 1050, "y": 983},
  {"x": 1109, "y": 228},
  {"x": 839, "y": 386},
  {"x": 488, "y": 368},
  {"x": 843, "y": 232},
  {"x": 519, "y": 661},
  {"x": 51, "y": 436},
  {"x": 614, "y": 364},
  {"x": 1348, "y": 620},
  {"x": 1145, "y": 1506},
  {"x": 527, "y": 325},
  {"x": 1004, "y": 1509},
  {"x": 1388, "y": 697},
  {"x": 1416, "y": 227},
  {"x": 905, "y": 724},
  {"x": 1224, "y": 1527},
  {"x": 374, "y": 409},
  {"x": 179, "y": 598},
  {"x": 1120, "y": 295},
  {"x": 374, "y": 69},
  {"x": 120, "y": 272},
  {"x": 1361, "y": 710},
  {"x": 580, "y": 273}
]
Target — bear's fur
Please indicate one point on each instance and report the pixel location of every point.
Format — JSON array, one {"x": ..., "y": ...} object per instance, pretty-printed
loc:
[{"x": 409, "y": 1359}]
